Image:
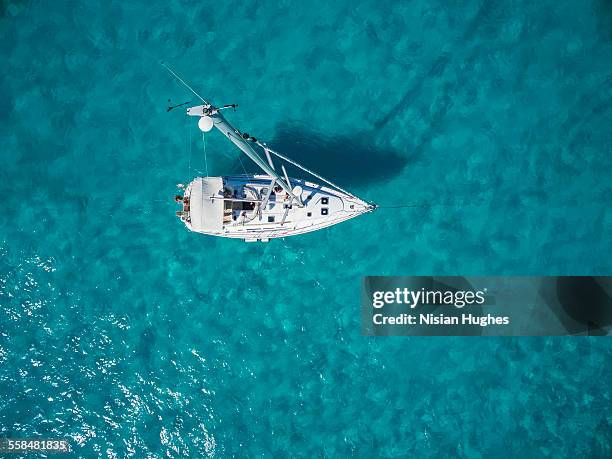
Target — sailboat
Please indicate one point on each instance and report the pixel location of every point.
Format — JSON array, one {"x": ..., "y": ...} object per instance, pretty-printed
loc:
[{"x": 259, "y": 207}]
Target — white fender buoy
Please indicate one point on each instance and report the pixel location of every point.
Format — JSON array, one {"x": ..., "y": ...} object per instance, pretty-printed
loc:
[{"x": 205, "y": 124}]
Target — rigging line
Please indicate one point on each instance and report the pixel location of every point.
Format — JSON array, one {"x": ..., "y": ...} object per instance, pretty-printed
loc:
[
  {"x": 189, "y": 175},
  {"x": 167, "y": 67},
  {"x": 234, "y": 165},
  {"x": 290, "y": 161},
  {"x": 242, "y": 164},
  {"x": 205, "y": 155}
]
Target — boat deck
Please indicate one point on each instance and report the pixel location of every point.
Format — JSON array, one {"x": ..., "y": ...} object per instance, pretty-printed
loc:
[{"x": 255, "y": 208}]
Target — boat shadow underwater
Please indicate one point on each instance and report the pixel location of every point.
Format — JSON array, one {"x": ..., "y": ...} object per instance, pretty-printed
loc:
[{"x": 350, "y": 160}]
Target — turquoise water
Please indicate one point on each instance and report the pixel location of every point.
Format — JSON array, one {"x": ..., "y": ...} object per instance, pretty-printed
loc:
[{"x": 132, "y": 337}]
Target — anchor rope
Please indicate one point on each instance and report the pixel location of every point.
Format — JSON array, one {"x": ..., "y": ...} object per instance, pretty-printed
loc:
[
  {"x": 458, "y": 204},
  {"x": 404, "y": 206}
]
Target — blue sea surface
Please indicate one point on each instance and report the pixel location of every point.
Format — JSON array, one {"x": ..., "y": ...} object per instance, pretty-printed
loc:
[{"x": 132, "y": 337}]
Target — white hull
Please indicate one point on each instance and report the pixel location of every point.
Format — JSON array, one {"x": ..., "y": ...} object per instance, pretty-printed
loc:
[{"x": 244, "y": 207}]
